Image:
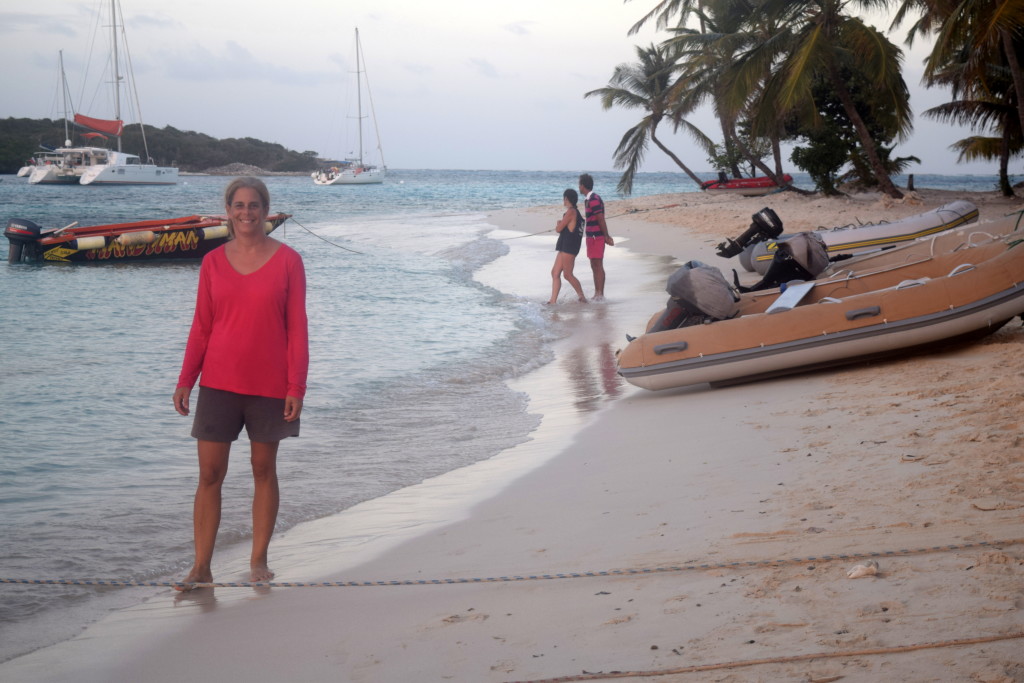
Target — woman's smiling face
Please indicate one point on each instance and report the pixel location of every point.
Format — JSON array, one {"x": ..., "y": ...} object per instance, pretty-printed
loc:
[{"x": 247, "y": 210}]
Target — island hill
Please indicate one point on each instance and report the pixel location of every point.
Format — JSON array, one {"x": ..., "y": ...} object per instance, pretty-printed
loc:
[{"x": 191, "y": 152}]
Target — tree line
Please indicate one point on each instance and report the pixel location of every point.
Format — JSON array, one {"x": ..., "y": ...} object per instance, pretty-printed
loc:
[
  {"x": 814, "y": 74},
  {"x": 21, "y": 139}
]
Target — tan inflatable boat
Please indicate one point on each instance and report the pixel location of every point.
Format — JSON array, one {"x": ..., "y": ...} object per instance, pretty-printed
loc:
[{"x": 968, "y": 282}]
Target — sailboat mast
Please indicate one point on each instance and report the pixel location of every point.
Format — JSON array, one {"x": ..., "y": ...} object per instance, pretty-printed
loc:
[
  {"x": 117, "y": 73},
  {"x": 64, "y": 94},
  {"x": 359, "y": 98}
]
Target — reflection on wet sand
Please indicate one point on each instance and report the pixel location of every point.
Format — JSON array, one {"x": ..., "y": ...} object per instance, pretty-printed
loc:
[
  {"x": 590, "y": 364},
  {"x": 594, "y": 375}
]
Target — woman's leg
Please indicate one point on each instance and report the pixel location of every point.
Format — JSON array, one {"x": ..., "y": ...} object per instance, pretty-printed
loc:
[
  {"x": 556, "y": 280},
  {"x": 265, "y": 502},
  {"x": 213, "y": 467},
  {"x": 568, "y": 262}
]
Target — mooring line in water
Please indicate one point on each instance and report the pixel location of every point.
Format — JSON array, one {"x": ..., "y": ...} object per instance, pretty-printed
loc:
[
  {"x": 783, "y": 659},
  {"x": 324, "y": 239},
  {"x": 519, "y": 237},
  {"x": 511, "y": 579}
]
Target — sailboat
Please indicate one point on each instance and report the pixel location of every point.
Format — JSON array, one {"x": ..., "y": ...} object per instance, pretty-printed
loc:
[
  {"x": 85, "y": 165},
  {"x": 354, "y": 171}
]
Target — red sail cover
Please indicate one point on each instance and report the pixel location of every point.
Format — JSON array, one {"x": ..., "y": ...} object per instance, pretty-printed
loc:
[{"x": 100, "y": 125}]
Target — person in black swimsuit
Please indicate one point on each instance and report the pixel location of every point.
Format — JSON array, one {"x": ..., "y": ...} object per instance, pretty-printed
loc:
[{"x": 570, "y": 238}]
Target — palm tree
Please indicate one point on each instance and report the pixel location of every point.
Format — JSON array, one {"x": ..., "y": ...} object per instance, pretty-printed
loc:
[
  {"x": 728, "y": 28},
  {"x": 647, "y": 85},
  {"x": 988, "y": 100},
  {"x": 819, "y": 39},
  {"x": 666, "y": 12},
  {"x": 975, "y": 34},
  {"x": 982, "y": 32}
]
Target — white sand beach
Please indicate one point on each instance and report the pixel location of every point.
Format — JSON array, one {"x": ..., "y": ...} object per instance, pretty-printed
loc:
[{"x": 699, "y": 528}]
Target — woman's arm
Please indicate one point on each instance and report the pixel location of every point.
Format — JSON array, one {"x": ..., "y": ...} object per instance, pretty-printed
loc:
[
  {"x": 297, "y": 330},
  {"x": 199, "y": 334},
  {"x": 568, "y": 220}
]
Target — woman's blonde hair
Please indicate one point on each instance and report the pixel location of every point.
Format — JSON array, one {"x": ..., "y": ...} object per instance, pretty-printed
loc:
[{"x": 250, "y": 182}]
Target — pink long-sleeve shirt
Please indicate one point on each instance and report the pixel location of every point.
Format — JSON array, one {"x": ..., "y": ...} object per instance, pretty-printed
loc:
[{"x": 249, "y": 333}]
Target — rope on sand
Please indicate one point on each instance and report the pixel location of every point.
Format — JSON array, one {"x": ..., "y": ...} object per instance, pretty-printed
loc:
[
  {"x": 897, "y": 649},
  {"x": 512, "y": 579},
  {"x": 653, "y": 208}
]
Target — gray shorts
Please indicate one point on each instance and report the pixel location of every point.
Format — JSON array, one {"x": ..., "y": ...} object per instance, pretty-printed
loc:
[{"x": 220, "y": 416}]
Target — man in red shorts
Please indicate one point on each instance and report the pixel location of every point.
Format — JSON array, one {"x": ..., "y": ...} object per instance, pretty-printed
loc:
[{"x": 596, "y": 233}]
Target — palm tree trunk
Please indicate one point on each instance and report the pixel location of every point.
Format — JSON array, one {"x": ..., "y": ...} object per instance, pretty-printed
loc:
[
  {"x": 867, "y": 143},
  {"x": 777, "y": 149},
  {"x": 1004, "y": 165},
  {"x": 1018, "y": 78},
  {"x": 727, "y": 126},
  {"x": 679, "y": 163}
]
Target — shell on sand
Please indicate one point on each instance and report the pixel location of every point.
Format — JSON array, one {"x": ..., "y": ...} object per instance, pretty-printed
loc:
[{"x": 869, "y": 568}]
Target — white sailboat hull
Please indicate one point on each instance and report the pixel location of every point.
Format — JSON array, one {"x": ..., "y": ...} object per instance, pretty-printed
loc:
[
  {"x": 52, "y": 175},
  {"x": 129, "y": 174},
  {"x": 350, "y": 177}
]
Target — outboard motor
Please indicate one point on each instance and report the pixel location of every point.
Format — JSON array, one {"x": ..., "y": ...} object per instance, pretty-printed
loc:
[
  {"x": 765, "y": 225},
  {"x": 803, "y": 256},
  {"x": 698, "y": 294},
  {"x": 23, "y": 236}
]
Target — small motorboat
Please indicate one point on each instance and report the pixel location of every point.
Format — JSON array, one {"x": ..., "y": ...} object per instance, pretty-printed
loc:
[
  {"x": 855, "y": 239},
  {"x": 747, "y": 187},
  {"x": 189, "y": 237},
  {"x": 904, "y": 299}
]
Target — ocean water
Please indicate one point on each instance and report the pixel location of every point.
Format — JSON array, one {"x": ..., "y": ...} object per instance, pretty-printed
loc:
[{"x": 411, "y": 359}]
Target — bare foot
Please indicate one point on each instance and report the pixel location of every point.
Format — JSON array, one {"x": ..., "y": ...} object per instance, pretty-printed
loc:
[
  {"x": 583, "y": 299},
  {"x": 259, "y": 573},
  {"x": 195, "y": 576}
]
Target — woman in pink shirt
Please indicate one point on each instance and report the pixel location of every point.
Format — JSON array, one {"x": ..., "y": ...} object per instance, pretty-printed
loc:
[{"x": 249, "y": 348}]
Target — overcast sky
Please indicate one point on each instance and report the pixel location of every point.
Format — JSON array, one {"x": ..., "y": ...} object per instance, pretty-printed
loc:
[{"x": 456, "y": 84}]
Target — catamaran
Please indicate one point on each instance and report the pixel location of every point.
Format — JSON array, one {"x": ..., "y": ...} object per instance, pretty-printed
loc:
[
  {"x": 355, "y": 171},
  {"x": 86, "y": 165}
]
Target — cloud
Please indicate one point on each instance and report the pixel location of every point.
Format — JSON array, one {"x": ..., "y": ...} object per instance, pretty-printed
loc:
[
  {"x": 418, "y": 68},
  {"x": 18, "y": 22},
  {"x": 149, "y": 21},
  {"x": 237, "y": 63},
  {"x": 484, "y": 68},
  {"x": 519, "y": 28}
]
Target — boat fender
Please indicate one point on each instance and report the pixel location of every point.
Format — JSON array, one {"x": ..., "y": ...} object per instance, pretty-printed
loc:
[
  {"x": 23, "y": 238},
  {"x": 87, "y": 243},
  {"x": 216, "y": 232},
  {"x": 131, "y": 239}
]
